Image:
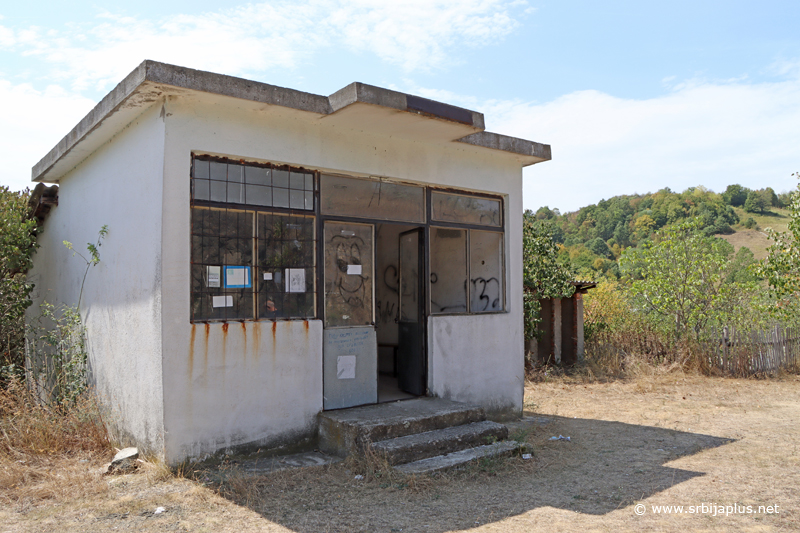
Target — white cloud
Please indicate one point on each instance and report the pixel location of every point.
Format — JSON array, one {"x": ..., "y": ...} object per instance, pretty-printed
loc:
[
  {"x": 708, "y": 134},
  {"x": 253, "y": 38},
  {"x": 417, "y": 34},
  {"x": 31, "y": 123}
]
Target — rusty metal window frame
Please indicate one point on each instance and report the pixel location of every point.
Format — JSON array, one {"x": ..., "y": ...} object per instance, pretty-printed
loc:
[
  {"x": 299, "y": 241},
  {"x": 433, "y": 224}
]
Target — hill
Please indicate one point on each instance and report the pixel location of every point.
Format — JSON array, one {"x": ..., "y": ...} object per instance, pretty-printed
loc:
[{"x": 592, "y": 238}]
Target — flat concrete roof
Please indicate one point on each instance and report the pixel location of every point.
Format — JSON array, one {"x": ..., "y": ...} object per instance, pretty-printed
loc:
[{"x": 151, "y": 81}]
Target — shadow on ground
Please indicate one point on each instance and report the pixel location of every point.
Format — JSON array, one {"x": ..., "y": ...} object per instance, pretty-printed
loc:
[{"x": 604, "y": 466}]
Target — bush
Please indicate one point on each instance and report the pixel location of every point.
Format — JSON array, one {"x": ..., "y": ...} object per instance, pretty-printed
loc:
[
  {"x": 17, "y": 245},
  {"x": 750, "y": 223}
]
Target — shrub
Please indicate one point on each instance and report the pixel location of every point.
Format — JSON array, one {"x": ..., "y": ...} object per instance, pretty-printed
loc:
[{"x": 17, "y": 245}]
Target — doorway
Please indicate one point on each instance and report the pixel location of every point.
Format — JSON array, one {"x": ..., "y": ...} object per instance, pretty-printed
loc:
[{"x": 400, "y": 311}]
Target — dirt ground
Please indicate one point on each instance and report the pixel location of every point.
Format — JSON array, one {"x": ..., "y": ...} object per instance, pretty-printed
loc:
[{"x": 712, "y": 445}]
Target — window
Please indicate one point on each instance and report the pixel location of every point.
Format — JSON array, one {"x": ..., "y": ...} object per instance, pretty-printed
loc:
[
  {"x": 466, "y": 260},
  {"x": 253, "y": 241}
]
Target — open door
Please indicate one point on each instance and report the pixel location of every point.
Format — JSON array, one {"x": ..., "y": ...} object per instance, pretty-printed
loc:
[
  {"x": 411, "y": 342},
  {"x": 350, "y": 347}
]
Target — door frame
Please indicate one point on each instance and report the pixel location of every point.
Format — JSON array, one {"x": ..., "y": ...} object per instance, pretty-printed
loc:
[
  {"x": 425, "y": 227},
  {"x": 422, "y": 293}
]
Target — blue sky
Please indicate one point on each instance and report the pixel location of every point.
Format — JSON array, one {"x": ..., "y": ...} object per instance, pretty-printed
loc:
[{"x": 632, "y": 96}]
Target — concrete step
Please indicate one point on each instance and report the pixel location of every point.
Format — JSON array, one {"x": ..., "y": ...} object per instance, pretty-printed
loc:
[
  {"x": 452, "y": 460},
  {"x": 347, "y": 431},
  {"x": 439, "y": 441}
]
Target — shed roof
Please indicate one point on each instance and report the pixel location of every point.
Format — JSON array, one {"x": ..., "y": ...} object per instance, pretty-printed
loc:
[{"x": 358, "y": 104}]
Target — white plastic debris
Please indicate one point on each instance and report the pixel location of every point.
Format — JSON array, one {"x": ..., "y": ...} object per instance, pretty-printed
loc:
[
  {"x": 359, "y": 477},
  {"x": 159, "y": 510},
  {"x": 526, "y": 456},
  {"x": 560, "y": 437}
]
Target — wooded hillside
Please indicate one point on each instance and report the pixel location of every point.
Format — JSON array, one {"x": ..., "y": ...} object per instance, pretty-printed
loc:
[{"x": 594, "y": 237}]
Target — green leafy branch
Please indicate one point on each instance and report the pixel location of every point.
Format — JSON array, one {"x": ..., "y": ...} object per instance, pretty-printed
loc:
[{"x": 92, "y": 260}]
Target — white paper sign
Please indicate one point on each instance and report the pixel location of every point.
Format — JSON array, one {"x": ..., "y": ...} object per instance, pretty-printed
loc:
[
  {"x": 213, "y": 273},
  {"x": 295, "y": 280},
  {"x": 353, "y": 270},
  {"x": 267, "y": 276},
  {"x": 222, "y": 301},
  {"x": 346, "y": 367},
  {"x": 235, "y": 277}
]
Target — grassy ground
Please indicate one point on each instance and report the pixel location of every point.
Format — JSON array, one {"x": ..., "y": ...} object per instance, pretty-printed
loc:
[
  {"x": 756, "y": 239},
  {"x": 659, "y": 439}
]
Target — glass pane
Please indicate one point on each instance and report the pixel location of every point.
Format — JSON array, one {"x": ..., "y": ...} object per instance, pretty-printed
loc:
[
  {"x": 448, "y": 270},
  {"x": 235, "y": 193},
  {"x": 372, "y": 199},
  {"x": 280, "y": 178},
  {"x": 309, "y": 185},
  {"x": 296, "y": 199},
  {"x": 200, "y": 189},
  {"x": 348, "y": 274},
  {"x": 280, "y": 197},
  {"x": 200, "y": 169},
  {"x": 285, "y": 277},
  {"x": 258, "y": 195},
  {"x": 218, "y": 191},
  {"x": 257, "y": 176},
  {"x": 236, "y": 173},
  {"x": 297, "y": 180},
  {"x": 219, "y": 171},
  {"x": 309, "y": 200},
  {"x": 409, "y": 277},
  {"x": 465, "y": 209},
  {"x": 485, "y": 271}
]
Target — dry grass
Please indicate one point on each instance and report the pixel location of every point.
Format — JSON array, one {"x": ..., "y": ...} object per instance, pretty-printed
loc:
[
  {"x": 756, "y": 239},
  {"x": 660, "y": 436}
]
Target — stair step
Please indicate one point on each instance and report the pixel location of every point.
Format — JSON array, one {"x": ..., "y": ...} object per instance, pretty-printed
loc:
[
  {"x": 452, "y": 460},
  {"x": 440, "y": 441},
  {"x": 346, "y": 431}
]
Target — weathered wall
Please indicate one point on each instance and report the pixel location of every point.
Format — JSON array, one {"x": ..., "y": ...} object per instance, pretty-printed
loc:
[
  {"x": 249, "y": 388},
  {"x": 119, "y": 185},
  {"x": 480, "y": 358}
]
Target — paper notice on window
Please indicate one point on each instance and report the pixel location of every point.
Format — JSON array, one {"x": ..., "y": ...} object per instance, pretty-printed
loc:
[
  {"x": 267, "y": 276},
  {"x": 222, "y": 301},
  {"x": 212, "y": 275},
  {"x": 353, "y": 270},
  {"x": 295, "y": 280},
  {"x": 237, "y": 277},
  {"x": 346, "y": 367}
]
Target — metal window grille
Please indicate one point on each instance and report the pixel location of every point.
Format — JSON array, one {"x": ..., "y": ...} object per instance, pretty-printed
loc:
[{"x": 253, "y": 241}]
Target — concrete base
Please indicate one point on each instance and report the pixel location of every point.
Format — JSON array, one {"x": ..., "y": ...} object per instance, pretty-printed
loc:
[{"x": 452, "y": 460}]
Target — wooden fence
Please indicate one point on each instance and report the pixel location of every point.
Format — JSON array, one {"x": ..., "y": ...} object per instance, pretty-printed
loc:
[
  {"x": 729, "y": 351},
  {"x": 749, "y": 353}
]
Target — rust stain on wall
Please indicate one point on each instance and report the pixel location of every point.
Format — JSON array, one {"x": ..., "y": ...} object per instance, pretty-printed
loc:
[
  {"x": 191, "y": 351},
  {"x": 305, "y": 327},
  {"x": 274, "y": 329},
  {"x": 224, "y": 342},
  {"x": 244, "y": 332}
]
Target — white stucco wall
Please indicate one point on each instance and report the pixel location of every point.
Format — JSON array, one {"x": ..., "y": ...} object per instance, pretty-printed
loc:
[
  {"x": 266, "y": 387},
  {"x": 119, "y": 186}
]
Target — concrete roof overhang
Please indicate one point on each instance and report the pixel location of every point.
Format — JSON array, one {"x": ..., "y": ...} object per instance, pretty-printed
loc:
[{"x": 357, "y": 106}]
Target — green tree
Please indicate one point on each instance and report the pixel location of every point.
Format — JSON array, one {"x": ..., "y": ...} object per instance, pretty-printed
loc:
[
  {"x": 781, "y": 267},
  {"x": 735, "y": 195},
  {"x": 755, "y": 203},
  {"x": 680, "y": 276},
  {"x": 17, "y": 245},
  {"x": 542, "y": 274}
]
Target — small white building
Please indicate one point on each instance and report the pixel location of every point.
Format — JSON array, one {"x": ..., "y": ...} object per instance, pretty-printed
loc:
[{"x": 272, "y": 254}]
